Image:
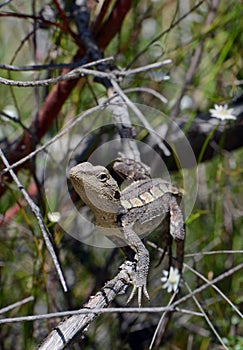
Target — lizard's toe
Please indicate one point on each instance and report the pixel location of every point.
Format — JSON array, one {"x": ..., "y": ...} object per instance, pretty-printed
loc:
[
  {"x": 141, "y": 290},
  {"x": 145, "y": 292}
]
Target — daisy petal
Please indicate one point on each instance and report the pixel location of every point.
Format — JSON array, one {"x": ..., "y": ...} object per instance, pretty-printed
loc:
[
  {"x": 222, "y": 112},
  {"x": 171, "y": 282}
]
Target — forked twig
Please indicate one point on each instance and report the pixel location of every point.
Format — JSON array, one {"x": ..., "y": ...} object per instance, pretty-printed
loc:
[
  {"x": 206, "y": 318},
  {"x": 141, "y": 117},
  {"x": 216, "y": 288},
  {"x": 82, "y": 71}
]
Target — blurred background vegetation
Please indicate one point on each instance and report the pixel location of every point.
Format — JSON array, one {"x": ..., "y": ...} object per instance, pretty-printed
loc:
[{"x": 210, "y": 35}]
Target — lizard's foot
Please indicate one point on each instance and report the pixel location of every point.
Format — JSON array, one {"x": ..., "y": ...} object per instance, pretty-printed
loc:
[
  {"x": 141, "y": 290},
  {"x": 139, "y": 284}
]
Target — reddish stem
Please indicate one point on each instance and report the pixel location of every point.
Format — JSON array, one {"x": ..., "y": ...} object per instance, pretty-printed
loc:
[{"x": 58, "y": 95}]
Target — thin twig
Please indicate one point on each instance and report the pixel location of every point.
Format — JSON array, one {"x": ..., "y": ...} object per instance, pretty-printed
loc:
[
  {"x": 17, "y": 304},
  {"x": 79, "y": 72},
  {"x": 68, "y": 329},
  {"x": 210, "y": 283},
  {"x": 34, "y": 67},
  {"x": 145, "y": 68},
  {"x": 14, "y": 119},
  {"x": 204, "y": 278},
  {"x": 36, "y": 211},
  {"x": 40, "y": 19},
  {"x": 5, "y": 3},
  {"x": 149, "y": 91},
  {"x": 206, "y": 318},
  {"x": 216, "y": 288},
  {"x": 67, "y": 127},
  {"x": 142, "y": 118},
  {"x": 191, "y": 255},
  {"x": 161, "y": 321},
  {"x": 74, "y": 74},
  {"x": 111, "y": 310}
]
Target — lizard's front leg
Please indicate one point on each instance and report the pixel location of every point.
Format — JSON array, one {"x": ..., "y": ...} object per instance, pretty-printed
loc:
[{"x": 139, "y": 277}]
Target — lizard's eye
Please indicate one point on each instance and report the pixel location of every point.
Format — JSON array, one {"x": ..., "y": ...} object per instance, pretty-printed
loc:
[{"x": 102, "y": 177}]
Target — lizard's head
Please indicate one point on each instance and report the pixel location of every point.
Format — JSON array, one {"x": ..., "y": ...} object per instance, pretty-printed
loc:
[{"x": 95, "y": 186}]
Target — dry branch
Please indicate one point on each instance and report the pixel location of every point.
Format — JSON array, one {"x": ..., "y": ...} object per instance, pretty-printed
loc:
[{"x": 73, "y": 327}]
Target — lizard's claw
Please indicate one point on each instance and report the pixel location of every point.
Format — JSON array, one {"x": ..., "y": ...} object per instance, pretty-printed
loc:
[
  {"x": 141, "y": 290},
  {"x": 139, "y": 282}
]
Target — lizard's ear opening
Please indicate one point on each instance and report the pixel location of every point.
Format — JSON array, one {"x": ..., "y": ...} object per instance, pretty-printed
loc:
[{"x": 117, "y": 195}]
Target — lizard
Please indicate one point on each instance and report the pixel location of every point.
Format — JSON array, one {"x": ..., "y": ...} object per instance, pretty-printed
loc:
[
  {"x": 130, "y": 169},
  {"x": 130, "y": 213}
]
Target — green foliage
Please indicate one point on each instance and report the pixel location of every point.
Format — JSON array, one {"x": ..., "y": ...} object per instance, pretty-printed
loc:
[{"x": 214, "y": 227}]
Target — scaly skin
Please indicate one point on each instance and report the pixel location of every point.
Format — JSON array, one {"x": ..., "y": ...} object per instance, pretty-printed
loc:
[{"x": 137, "y": 209}]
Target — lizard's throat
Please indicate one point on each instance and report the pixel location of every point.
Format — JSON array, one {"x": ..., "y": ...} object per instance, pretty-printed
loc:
[
  {"x": 105, "y": 218},
  {"x": 101, "y": 206}
]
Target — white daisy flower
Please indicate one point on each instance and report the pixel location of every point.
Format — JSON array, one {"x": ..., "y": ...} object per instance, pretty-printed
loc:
[
  {"x": 171, "y": 279},
  {"x": 222, "y": 112}
]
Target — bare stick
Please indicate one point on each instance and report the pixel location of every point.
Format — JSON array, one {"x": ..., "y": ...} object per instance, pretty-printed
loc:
[
  {"x": 207, "y": 318},
  {"x": 74, "y": 74},
  {"x": 189, "y": 255},
  {"x": 145, "y": 68},
  {"x": 36, "y": 211},
  {"x": 111, "y": 310},
  {"x": 17, "y": 304},
  {"x": 204, "y": 278},
  {"x": 67, "y": 330},
  {"x": 141, "y": 117},
  {"x": 35, "y": 67},
  {"x": 76, "y": 324},
  {"x": 149, "y": 91},
  {"x": 67, "y": 127},
  {"x": 159, "y": 326},
  {"x": 124, "y": 126},
  {"x": 216, "y": 288},
  {"x": 81, "y": 71}
]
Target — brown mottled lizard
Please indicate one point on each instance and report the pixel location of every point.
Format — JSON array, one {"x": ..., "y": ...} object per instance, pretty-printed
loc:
[{"x": 126, "y": 215}]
